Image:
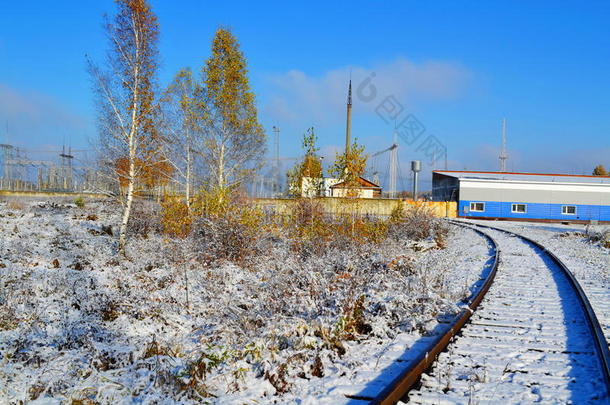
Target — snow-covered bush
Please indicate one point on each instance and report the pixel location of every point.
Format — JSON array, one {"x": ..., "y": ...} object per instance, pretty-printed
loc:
[
  {"x": 223, "y": 238},
  {"x": 145, "y": 218},
  {"x": 599, "y": 235},
  {"x": 15, "y": 205},
  {"x": 417, "y": 223},
  {"x": 312, "y": 231},
  {"x": 226, "y": 226}
]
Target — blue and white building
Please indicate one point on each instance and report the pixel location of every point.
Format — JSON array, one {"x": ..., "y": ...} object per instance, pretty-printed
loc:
[{"x": 524, "y": 196}]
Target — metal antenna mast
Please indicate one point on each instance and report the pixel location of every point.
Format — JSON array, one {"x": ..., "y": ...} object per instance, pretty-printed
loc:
[
  {"x": 276, "y": 160},
  {"x": 503, "y": 155},
  {"x": 348, "y": 126}
]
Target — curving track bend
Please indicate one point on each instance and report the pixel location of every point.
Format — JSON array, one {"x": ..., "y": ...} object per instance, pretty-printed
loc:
[{"x": 529, "y": 341}]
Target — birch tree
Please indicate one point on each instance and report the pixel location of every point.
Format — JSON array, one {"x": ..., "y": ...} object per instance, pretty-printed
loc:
[
  {"x": 306, "y": 178},
  {"x": 234, "y": 139},
  {"x": 125, "y": 96},
  {"x": 350, "y": 165},
  {"x": 182, "y": 116}
]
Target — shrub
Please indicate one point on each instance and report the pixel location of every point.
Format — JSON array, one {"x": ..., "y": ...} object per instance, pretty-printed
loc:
[
  {"x": 602, "y": 236},
  {"x": 79, "y": 201},
  {"x": 226, "y": 226},
  {"x": 352, "y": 322},
  {"x": 353, "y": 227},
  {"x": 417, "y": 223},
  {"x": 356, "y": 228},
  {"x": 397, "y": 215},
  {"x": 144, "y": 218},
  {"x": 308, "y": 226},
  {"x": 176, "y": 220},
  {"x": 215, "y": 202}
]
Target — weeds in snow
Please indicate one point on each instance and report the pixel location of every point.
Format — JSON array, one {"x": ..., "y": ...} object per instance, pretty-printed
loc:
[
  {"x": 601, "y": 236},
  {"x": 208, "y": 308}
]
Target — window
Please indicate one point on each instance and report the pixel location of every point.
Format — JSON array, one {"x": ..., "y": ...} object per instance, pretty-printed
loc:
[
  {"x": 519, "y": 208},
  {"x": 568, "y": 209},
  {"x": 477, "y": 206}
]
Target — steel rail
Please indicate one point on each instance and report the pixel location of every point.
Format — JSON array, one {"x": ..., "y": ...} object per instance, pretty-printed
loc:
[
  {"x": 601, "y": 345},
  {"x": 402, "y": 383}
]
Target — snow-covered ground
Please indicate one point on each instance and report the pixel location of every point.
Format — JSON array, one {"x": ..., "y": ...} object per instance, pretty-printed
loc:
[
  {"x": 588, "y": 260},
  {"x": 78, "y": 322}
]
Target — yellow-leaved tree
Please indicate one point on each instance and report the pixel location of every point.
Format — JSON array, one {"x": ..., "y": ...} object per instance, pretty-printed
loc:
[
  {"x": 234, "y": 139},
  {"x": 349, "y": 167},
  {"x": 600, "y": 170}
]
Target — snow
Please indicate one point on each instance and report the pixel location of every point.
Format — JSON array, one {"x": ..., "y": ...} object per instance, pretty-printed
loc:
[
  {"x": 588, "y": 260},
  {"x": 78, "y": 322},
  {"x": 527, "y": 342}
]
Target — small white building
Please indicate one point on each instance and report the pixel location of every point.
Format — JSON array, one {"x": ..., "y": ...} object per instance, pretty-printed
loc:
[
  {"x": 311, "y": 187},
  {"x": 364, "y": 189},
  {"x": 333, "y": 187}
]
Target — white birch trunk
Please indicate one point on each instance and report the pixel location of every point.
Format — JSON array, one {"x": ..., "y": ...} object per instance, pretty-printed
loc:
[
  {"x": 188, "y": 171},
  {"x": 128, "y": 203},
  {"x": 132, "y": 148},
  {"x": 221, "y": 166}
]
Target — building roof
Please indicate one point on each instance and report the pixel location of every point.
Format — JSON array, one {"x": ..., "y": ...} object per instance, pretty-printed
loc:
[
  {"x": 527, "y": 177},
  {"x": 364, "y": 183}
]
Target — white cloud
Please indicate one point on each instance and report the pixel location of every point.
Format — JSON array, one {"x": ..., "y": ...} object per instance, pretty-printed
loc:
[{"x": 297, "y": 97}]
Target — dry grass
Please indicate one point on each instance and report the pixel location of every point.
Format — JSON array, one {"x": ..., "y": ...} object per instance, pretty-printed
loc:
[{"x": 15, "y": 205}]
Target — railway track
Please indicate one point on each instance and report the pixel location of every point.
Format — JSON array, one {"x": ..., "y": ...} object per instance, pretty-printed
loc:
[
  {"x": 597, "y": 291},
  {"x": 534, "y": 338},
  {"x": 600, "y": 302}
]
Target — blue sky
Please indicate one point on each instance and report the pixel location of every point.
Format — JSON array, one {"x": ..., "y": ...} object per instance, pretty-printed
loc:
[{"x": 459, "y": 67}]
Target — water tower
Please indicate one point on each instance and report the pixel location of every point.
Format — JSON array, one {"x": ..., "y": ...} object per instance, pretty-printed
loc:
[{"x": 415, "y": 168}]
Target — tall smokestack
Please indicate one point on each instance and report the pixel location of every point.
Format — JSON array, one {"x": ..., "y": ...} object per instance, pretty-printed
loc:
[
  {"x": 348, "y": 127},
  {"x": 503, "y": 155}
]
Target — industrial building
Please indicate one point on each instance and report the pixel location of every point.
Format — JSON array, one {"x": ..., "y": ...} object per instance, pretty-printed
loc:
[
  {"x": 524, "y": 196},
  {"x": 363, "y": 189}
]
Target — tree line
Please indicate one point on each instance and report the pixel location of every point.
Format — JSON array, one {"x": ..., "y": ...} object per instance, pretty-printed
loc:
[{"x": 202, "y": 131}]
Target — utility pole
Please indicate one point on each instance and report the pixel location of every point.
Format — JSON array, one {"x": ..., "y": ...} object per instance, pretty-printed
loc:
[
  {"x": 503, "y": 155},
  {"x": 66, "y": 166}
]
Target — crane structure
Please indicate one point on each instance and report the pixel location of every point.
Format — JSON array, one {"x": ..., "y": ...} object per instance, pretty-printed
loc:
[{"x": 393, "y": 166}]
